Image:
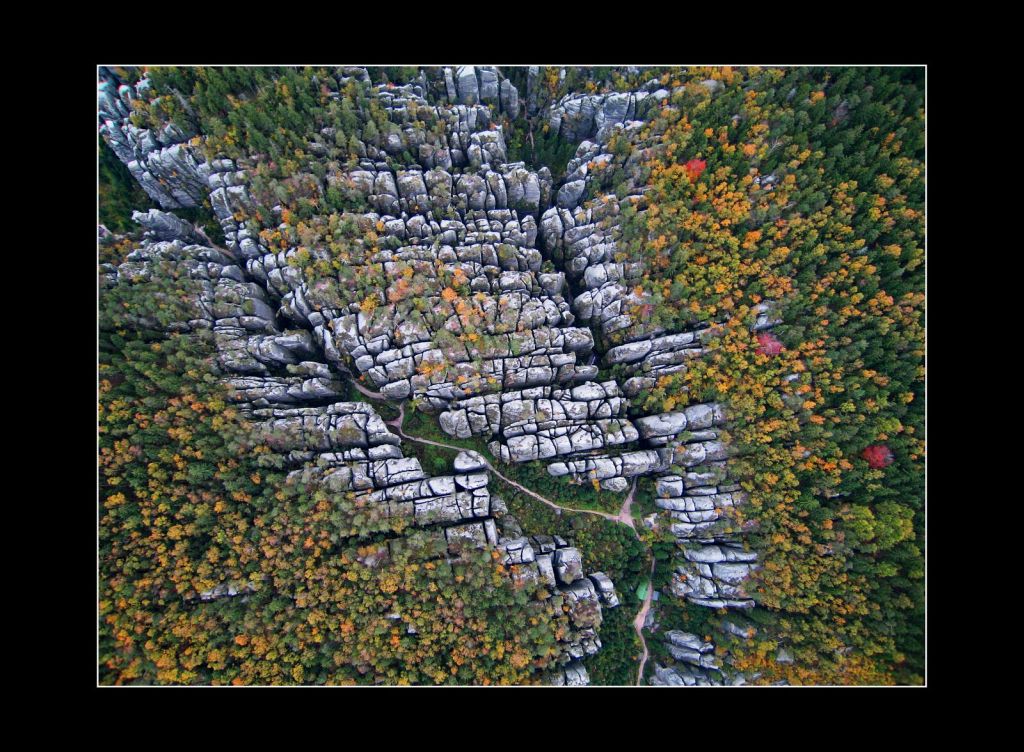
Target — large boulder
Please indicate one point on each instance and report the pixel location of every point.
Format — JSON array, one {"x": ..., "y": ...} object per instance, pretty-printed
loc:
[
  {"x": 665, "y": 424},
  {"x": 569, "y": 194},
  {"x": 468, "y": 461},
  {"x": 568, "y": 565},
  {"x": 469, "y": 88}
]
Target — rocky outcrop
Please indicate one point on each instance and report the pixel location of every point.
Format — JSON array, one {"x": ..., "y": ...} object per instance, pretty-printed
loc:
[
  {"x": 689, "y": 648},
  {"x": 492, "y": 341},
  {"x": 168, "y": 169},
  {"x": 506, "y": 362},
  {"x": 576, "y": 117},
  {"x": 713, "y": 563},
  {"x": 544, "y": 422},
  {"x": 607, "y": 467},
  {"x": 581, "y": 232},
  {"x": 163, "y": 226},
  {"x": 699, "y": 661},
  {"x": 346, "y": 447},
  {"x": 605, "y": 589},
  {"x": 573, "y": 675},
  {"x": 469, "y": 85},
  {"x": 685, "y": 675},
  {"x": 227, "y": 590}
]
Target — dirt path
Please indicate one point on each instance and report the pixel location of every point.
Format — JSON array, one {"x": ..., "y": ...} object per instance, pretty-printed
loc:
[
  {"x": 369, "y": 393},
  {"x": 625, "y": 516},
  {"x": 638, "y": 623}
]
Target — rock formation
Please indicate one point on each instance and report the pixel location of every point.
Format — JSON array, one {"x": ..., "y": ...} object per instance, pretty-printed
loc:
[
  {"x": 346, "y": 446},
  {"x": 512, "y": 358}
]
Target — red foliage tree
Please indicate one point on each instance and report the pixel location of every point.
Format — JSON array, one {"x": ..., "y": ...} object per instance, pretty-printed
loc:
[
  {"x": 877, "y": 456},
  {"x": 768, "y": 344},
  {"x": 694, "y": 168}
]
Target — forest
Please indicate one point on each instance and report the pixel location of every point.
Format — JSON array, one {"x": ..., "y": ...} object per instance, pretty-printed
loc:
[
  {"x": 798, "y": 190},
  {"x": 190, "y": 498},
  {"x": 805, "y": 187}
]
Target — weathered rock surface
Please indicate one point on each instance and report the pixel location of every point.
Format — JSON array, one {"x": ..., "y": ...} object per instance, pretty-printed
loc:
[
  {"x": 583, "y": 238},
  {"x": 580, "y": 116},
  {"x": 527, "y": 378},
  {"x": 460, "y": 211},
  {"x": 345, "y": 446},
  {"x": 605, "y": 589}
]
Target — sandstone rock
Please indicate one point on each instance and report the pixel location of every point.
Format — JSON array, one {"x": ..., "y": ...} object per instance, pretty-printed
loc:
[
  {"x": 468, "y": 461},
  {"x": 576, "y": 675},
  {"x": 469, "y": 90},
  {"x": 666, "y": 677},
  {"x": 605, "y": 589},
  {"x": 509, "y": 99},
  {"x": 488, "y": 84},
  {"x": 568, "y": 565},
  {"x": 164, "y": 226},
  {"x": 615, "y": 485},
  {"x": 569, "y": 194},
  {"x": 455, "y": 206},
  {"x": 665, "y": 424},
  {"x": 628, "y": 353}
]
